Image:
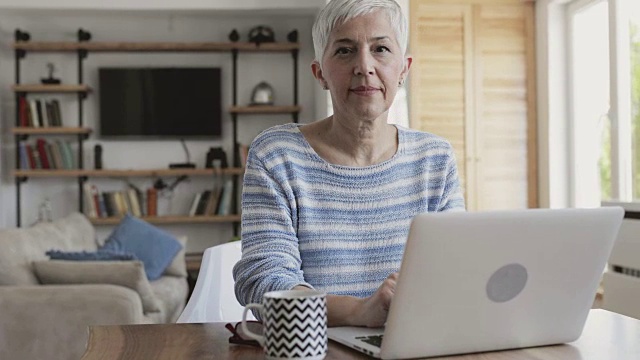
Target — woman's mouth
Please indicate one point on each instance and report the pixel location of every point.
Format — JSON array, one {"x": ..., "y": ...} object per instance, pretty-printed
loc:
[{"x": 365, "y": 90}]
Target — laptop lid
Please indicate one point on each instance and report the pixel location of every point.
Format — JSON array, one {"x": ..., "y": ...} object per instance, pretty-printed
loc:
[{"x": 481, "y": 281}]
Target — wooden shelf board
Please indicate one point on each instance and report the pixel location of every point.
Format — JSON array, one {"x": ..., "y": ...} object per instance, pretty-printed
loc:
[
  {"x": 154, "y": 46},
  {"x": 265, "y": 109},
  {"x": 51, "y": 130},
  {"x": 126, "y": 173},
  {"x": 200, "y": 219},
  {"x": 43, "y": 88}
]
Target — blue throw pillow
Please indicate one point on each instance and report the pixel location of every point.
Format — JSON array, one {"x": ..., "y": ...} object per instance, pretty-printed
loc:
[
  {"x": 154, "y": 247},
  {"x": 103, "y": 255}
]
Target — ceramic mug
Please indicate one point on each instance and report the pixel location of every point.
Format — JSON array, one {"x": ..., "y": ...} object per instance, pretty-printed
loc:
[{"x": 294, "y": 324}]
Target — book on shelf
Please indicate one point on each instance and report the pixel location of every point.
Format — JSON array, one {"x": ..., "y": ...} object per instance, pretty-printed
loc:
[
  {"x": 46, "y": 155},
  {"x": 135, "y": 202},
  {"x": 35, "y": 121},
  {"x": 91, "y": 204},
  {"x": 194, "y": 204},
  {"x": 39, "y": 112},
  {"x": 24, "y": 157},
  {"x": 224, "y": 207},
  {"x": 202, "y": 203},
  {"x": 42, "y": 153},
  {"x": 152, "y": 202}
]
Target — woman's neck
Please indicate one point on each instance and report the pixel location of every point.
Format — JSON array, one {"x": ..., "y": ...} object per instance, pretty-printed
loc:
[{"x": 353, "y": 143}]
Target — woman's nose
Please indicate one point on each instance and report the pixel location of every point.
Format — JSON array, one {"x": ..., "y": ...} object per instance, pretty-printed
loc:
[{"x": 364, "y": 64}]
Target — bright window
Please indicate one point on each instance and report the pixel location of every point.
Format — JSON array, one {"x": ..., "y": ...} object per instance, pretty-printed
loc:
[{"x": 604, "y": 95}]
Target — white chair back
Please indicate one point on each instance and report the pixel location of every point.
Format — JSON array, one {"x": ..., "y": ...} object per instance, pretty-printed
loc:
[{"x": 213, "y": 298}]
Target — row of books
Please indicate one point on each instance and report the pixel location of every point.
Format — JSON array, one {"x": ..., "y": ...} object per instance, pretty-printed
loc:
[
  {"x": 39, "y": 112},
  {"x": 118, "y": 203},
  {"x": 213, "y": 202},
  {"x": 47, "y": 155}
]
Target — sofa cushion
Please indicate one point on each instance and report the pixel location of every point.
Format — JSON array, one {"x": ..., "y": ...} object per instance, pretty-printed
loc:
[
  {"x": 103, "y": 255},
  {"x": 129, "y": 274},
  {"x": 21, "y": 247},
  {"x": 154, "y": 247},
  {"x": 178, "y": 266}
]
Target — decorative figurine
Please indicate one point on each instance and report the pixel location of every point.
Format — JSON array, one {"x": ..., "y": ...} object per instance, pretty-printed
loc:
[
  {"x": 293, "y": 36},
  {"x": 234, "y": 36},
  {"x": 50, "y": 80},
  {"x": 261, "y": 34},
  {"x": 262, "y": 94}
]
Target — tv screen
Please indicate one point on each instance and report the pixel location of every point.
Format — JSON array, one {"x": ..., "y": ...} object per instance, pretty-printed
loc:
[{"x": 160, "y": 102}]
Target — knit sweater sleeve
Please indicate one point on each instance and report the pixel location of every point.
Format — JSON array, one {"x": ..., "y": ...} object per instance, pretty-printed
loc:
[
  {"x": 270, "y": 255},
  {"x": 452, "y": 198}
]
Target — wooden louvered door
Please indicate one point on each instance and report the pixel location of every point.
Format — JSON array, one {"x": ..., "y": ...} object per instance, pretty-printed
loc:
[{"x": 472, "y": 82}]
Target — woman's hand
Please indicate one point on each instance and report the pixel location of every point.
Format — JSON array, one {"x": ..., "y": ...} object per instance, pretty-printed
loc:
[
  {"x": 374, "y": 309},
  {"x": 370, "y": 312}
]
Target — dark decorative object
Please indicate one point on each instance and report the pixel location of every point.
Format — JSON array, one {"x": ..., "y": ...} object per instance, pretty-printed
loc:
[
  {"x": 261, "y": 34},
  {"x": 293, "y": 36},
  {"x": 22, "y": 36},
  {"x": 97, "y": 157},
  {"x": 50, "y": 80},
  {"x": 83, "y": 35},
  {"x": 216, "y": 154},
  {"x": 262, "y": 94},
  {"x": 234, "y": 36},
  {"x": 188, "y": 164}
]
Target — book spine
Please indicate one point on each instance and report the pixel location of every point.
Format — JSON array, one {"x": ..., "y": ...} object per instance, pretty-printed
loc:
[
  {"x": 41, "y": 114},
  {"x": 152, "y": 202},
  {"x": 42, "y": 152},
  {"x": 24, "y": 158},
  {"x": 34, "y": 113},
  {"x": 56, "y": 112}
]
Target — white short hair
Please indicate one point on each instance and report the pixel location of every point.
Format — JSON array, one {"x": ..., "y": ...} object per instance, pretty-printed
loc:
[{"x": 337, "y": 12}]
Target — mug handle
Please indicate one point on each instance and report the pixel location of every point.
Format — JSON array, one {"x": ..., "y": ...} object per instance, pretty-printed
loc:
[{"x": 245, "y": 329}]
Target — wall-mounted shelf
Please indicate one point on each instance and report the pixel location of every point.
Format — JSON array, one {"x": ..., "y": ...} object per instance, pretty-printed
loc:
[
  {"x": 51, "y": 130},
  {"x": 42, "y": 88},
  {"x": 127, "y": 173},
  {"x": 171, "y": 219},
  {"x": 82, "y": 48},
  {"x": 154, "y": 46},
  {"x": 262, "y": 109}
]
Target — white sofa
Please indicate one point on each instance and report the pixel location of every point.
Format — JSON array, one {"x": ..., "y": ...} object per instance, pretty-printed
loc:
[{"x": 51, "y": 321}]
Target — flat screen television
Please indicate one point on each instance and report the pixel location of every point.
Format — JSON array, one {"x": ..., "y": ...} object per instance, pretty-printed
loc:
[{"x": 160, "y": 102}]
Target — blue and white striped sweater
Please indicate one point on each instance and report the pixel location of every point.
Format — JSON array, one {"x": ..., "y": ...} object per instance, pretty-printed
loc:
[{"x": 335, "y": 228}]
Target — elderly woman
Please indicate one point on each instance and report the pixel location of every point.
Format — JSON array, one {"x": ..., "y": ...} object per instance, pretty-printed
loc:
[{"x": 328, "y": 205}]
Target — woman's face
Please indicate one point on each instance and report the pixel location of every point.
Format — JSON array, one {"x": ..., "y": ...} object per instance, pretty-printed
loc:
[{"x": 362, "y": 66}]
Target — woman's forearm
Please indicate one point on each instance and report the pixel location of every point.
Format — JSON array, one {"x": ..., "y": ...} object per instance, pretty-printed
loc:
[{"x": 341, "y": 310}]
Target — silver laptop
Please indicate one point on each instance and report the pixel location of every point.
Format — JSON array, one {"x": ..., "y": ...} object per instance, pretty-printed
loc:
[{"x": 483, "y": 281}]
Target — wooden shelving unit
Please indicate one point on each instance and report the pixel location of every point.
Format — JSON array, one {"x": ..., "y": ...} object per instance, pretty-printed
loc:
[
  {"x": 171, "y": 219},
  {"x": 51, "y": 130},
  {"x": 265, "y": 109},
  {"x": 82, "y": 47},
  {"x": 42, "y": 173},
  {"x": 58, "y": 89},
  {"x": 62, "y": 46}
]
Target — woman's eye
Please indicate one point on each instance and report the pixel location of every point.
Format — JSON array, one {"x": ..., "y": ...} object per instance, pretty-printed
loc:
[{"x": 343, "y": 51}]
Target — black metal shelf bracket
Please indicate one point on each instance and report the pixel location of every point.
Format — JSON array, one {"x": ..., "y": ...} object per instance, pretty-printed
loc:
[
  {"x": 21, "y": 36},
  {"x": 22, "y": 179}
]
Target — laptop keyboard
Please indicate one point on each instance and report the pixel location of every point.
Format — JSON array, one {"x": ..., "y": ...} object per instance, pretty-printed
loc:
[{"x": 375, "y": 340}]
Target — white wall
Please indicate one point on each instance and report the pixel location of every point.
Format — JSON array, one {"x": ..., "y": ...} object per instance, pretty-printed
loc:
[{"x": 107, "y": 25}]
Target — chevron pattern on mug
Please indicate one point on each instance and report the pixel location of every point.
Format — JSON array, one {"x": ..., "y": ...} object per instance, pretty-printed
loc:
[{"x": 295, "y": 327}]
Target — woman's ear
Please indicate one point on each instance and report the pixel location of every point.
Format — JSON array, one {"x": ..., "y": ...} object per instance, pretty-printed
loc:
[
  {"x": 317, "y": 73},
  {"x": 407, "y": 64}
]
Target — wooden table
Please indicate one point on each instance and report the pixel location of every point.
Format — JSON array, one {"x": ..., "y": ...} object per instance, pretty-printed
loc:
[{"x": 606, "y": 336}]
